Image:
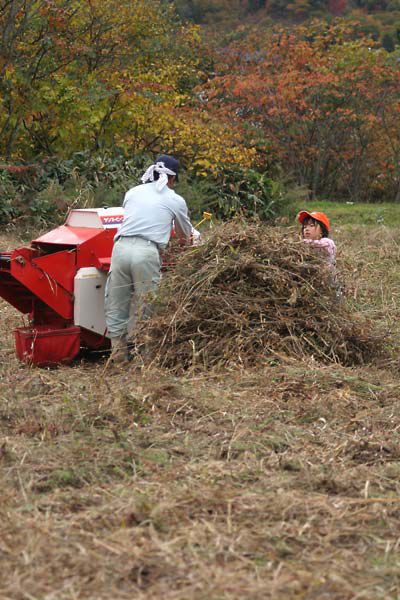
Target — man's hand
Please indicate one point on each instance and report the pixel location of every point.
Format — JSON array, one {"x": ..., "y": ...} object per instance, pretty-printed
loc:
[{"x": 196, "y": 238}]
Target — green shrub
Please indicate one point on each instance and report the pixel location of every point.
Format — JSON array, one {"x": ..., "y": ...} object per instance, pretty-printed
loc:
[
  {"x": 10, "y": 202},
  {"x": 85, "y": 181},
  {"x": 46, "y": 192},
  {"x": 49, "y": 205},
  {"x": 99, "y": 180},
  {"x": 245, "y": 191}
]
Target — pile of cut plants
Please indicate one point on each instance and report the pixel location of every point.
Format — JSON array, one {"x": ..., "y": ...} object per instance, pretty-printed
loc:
[{"x": 252, "y": 292}]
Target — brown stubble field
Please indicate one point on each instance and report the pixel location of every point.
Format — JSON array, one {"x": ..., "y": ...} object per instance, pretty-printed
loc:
[{"x": 280, "y": 481}]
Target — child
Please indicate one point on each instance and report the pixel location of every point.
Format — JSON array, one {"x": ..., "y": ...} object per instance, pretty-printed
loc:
[{"x": 315, "y": 231}]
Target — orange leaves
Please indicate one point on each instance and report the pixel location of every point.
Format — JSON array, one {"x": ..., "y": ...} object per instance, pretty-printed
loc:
[
  {"x": 337, "y": 7},
  {"x": 321, "y": 97}
]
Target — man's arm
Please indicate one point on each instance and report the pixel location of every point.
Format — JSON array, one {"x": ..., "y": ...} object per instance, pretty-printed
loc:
[{"x": 183, "y": 226}]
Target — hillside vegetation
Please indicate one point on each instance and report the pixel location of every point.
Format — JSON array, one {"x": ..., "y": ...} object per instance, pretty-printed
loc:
[
  {"x": 260, "y": 101},
  {"x": 276, "y": 481}
]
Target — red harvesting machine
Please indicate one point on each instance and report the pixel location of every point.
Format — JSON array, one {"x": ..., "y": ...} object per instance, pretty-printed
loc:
[{"x": 59, "y": 282}]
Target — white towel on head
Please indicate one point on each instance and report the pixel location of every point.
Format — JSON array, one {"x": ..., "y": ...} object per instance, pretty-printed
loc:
[{"x": 163, "y": 172}]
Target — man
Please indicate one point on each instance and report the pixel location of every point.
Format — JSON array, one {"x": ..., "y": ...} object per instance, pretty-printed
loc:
[{"x": 150, "y": 211}]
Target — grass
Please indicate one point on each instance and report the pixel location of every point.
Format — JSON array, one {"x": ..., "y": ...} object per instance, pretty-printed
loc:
[
  {"x": 352, "y": 213},
  {"x": 279, "y": 482}
]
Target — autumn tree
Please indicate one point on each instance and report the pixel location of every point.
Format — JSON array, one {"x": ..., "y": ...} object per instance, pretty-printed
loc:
[
  {"x": 98, "y": 74},
  {"x": 337, "y": 7},
  {"x": 323, "y": 101}
]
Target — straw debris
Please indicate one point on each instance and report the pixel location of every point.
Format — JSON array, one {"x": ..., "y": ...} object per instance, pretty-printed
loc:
[{"x": 250, "y": 292}]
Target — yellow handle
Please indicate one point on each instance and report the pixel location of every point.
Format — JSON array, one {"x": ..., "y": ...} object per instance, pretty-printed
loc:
[{"x": 206, "y": 217}]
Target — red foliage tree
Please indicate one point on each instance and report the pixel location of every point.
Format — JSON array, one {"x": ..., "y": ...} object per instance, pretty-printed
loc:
[
  {"x": 337, "y": 7},
  {"x": 321, "y": 101}
]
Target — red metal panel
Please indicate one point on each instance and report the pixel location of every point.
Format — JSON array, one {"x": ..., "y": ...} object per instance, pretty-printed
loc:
[
  {"x": 68, "y": 236},
  {"x": 104, "y": 263},
  {"x": 46, "y": 346},
  {"x": 40, "y": 284},
  {"x": 60, "y": 266},
  {"x": 89, "y": 253}
]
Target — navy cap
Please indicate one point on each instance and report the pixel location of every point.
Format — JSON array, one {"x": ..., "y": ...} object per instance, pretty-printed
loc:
[{"x": 170, "y": 162}]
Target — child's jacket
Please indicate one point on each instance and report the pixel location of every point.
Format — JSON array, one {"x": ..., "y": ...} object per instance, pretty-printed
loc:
[{"x": 327, "y": 246}]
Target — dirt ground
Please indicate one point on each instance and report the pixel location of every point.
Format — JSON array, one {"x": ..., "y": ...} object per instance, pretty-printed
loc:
[{"x": 276, "y": 482}]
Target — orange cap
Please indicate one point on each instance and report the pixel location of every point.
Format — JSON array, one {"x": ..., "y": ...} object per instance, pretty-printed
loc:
[{"x": 317, "y": 216}]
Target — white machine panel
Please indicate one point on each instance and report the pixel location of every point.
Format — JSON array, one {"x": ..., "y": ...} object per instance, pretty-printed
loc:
[
  {"x": 98, "y": 218},
  {"x": 89, "y": 286}
]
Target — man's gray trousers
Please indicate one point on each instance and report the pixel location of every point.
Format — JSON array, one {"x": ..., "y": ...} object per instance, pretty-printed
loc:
[{"x": 134, "y": 275}]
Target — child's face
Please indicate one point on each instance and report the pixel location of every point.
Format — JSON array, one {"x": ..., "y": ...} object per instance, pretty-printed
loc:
[{"x": 311, "y": 230}]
